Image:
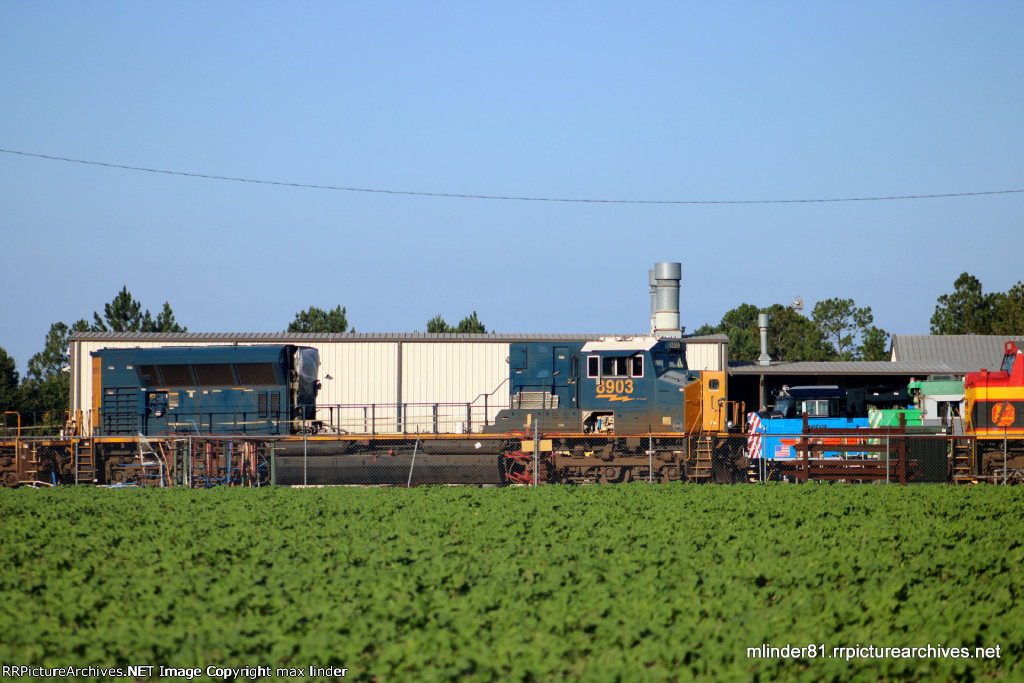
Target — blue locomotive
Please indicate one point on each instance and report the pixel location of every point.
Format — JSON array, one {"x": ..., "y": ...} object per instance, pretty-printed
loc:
[
  {"x": 252, "y": 390},
  {"x": 774, "y": 433},
  {"x": 611, "y": 386}
]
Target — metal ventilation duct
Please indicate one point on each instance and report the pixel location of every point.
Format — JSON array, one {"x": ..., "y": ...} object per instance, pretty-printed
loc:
[{"x": 666, "y": 299}]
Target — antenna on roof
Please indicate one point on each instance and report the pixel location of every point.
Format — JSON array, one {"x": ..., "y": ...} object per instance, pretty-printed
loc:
[{"x": 798, "y": 304}]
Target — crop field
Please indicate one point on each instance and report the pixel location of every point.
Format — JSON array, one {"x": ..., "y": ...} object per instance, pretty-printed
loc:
[{"x": 619, "y": 582}]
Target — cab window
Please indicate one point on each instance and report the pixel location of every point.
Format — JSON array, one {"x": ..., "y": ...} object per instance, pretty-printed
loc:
[
  {"x": 816, "y": 408},
  {"x": 614, "y": 366}
]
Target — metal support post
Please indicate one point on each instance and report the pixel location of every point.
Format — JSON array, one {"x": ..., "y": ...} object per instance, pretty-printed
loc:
[
  {"x": 887, "y": 457},
  {"x": 415, "y": 448},
  {"x": 536, "y": 450},
  {"x": 650, "y": 458}
]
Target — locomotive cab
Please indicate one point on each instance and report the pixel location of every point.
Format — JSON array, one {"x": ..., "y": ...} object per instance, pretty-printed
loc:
[
  {"x": 816, "y": 401},
  {"x": 639, "y": 386},
  {"x": 632, "y": 385},
  {"x": 995, "y": 400}
]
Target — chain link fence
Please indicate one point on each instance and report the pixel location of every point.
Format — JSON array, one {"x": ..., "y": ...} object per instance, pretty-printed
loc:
[{"x": 501, "y": 459}]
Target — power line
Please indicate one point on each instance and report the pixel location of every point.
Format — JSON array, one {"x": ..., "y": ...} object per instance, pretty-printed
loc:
[{"x": 510, "y": 198}]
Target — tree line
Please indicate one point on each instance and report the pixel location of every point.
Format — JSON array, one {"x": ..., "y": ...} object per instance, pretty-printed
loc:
[
  {"x": 969, "y": 310},
  {"x": 838, "y": 329}
]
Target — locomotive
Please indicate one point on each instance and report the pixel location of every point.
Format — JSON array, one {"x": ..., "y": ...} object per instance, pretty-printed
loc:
[
  {"x": 601, "y": 411},
  {"x": 596, "y": 401},
  {"x": 237, "y": 390},
  {"x": 994, "y": 409},
  {"x": 772, "y": 432},
  {"x": 620, "y": 385}
]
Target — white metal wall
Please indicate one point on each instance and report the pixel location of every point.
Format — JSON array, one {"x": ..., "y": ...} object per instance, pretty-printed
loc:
[
  {"x": 705, "y": 356},
  {"x": 450, "y": 375},
  {"x": 355, "y": 377}
]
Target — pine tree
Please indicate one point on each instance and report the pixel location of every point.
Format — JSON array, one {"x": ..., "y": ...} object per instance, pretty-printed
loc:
[
  {"x": 315, "y": 319},
  {"x": 437, "y": 325},
  {"x": 123, "y": 314},
  {"x": 968, "y": 310},
  {"x": 471, "y": 325},
  {"x": 9, "y": 400}
]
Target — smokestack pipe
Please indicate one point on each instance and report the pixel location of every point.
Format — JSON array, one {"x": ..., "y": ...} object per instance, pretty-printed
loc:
[
  {"x": 666, "y": 308},
  {"x": 762, "y": 324}
]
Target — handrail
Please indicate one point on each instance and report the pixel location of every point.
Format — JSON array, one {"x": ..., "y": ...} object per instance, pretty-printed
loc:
[
  {"x": 17, "y": 433},
  {"x": 354, "y": 418}
]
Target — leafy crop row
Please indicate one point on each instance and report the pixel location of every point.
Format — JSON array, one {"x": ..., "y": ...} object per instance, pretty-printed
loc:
[{"x": 626, "y": 582}]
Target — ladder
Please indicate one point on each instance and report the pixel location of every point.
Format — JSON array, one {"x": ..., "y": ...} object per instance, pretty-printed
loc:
[
  {"x": 961, "y": 453},
  {"x": 152, "y": 462},
  {"x": 30, "y": 473},
  {"x": 85, "y": 464},
  {"x": 701, "y": 470}
]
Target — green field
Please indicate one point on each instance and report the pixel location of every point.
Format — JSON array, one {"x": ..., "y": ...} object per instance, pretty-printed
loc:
[{"x": 621, "y": 582}]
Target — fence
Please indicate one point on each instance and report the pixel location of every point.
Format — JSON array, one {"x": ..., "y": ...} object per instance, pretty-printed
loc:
[
  {"x": 408, "y": 418},
  {"x": 498, "y": 459}
]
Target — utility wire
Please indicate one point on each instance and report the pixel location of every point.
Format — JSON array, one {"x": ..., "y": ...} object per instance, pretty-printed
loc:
[{"x": 510, "y": 198}]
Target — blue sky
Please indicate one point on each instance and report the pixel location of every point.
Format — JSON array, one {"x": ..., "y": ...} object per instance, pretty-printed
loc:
[{"x": 672, "y": 101}]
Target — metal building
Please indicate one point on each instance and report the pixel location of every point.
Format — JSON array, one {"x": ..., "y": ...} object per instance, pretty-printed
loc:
[{"x": 384, "y": 383}]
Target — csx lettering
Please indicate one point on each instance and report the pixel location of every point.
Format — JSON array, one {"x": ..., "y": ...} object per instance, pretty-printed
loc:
[{"x": 615, "y": 386}]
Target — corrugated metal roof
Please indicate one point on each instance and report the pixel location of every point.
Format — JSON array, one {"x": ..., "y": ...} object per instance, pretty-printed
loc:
[
  {"x": 912, "y": 354},
  {"x": 286, "y": 337},
  {"x": 977, "y": 350},
  {"x": 922, "y": 368}
]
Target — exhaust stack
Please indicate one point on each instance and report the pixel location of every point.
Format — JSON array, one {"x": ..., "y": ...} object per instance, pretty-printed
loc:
[
  {"x": 762, "y": 324},
  {"x": 665, "y": 299}
]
